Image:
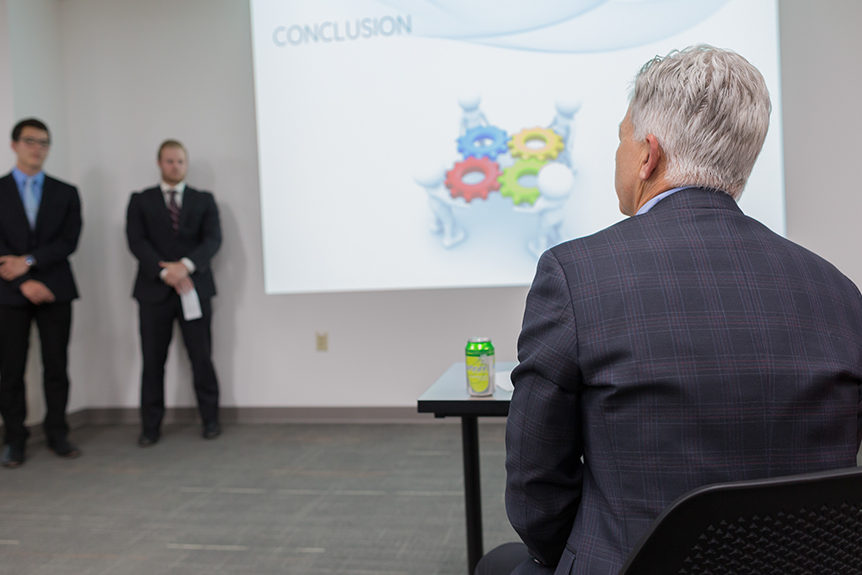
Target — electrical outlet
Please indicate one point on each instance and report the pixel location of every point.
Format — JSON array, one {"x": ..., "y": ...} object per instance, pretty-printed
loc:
[{"x": 321, "y": 341}]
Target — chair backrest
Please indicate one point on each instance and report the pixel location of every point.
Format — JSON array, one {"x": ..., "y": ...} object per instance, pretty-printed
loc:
[{"x": 807, "y": 524}]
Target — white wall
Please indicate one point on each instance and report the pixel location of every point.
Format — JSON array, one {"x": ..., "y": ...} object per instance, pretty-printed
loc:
[
  {"x": 38, "y": 88},
  {"x": 822, "y": 83},
  {"x": 137, "y": 72},
  {"x": 7, "y": 111}
]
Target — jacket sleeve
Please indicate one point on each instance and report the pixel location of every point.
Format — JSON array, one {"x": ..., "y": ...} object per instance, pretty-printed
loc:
[
  {"x": 6, "y": 251},
  {"x": 859, "y": 390},
  {"x": 66, "y": 241},
  {"x": 138, "y": 238},
  {"x": 210, "y": 235},
  {"x": 544, "y": 442}
]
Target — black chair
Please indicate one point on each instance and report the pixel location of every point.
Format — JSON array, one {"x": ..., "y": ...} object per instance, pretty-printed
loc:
[{"x": 807, "y": 524}]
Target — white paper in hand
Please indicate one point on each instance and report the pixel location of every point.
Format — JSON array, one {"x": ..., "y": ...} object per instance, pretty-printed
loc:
[{"x": 191, "y": 305}]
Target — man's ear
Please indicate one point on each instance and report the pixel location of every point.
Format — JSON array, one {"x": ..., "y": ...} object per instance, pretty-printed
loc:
[{"x": 652, "y": 159}]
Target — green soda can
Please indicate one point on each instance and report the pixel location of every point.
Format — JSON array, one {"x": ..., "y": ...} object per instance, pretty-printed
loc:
[{"x": 480, "y": 366}]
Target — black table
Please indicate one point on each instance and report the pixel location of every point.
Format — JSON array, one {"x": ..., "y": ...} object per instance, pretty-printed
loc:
[{"x": 448, "y": 397}]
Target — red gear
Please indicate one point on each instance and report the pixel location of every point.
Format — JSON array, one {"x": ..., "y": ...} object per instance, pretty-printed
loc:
[{"x": 455, "y": 178}]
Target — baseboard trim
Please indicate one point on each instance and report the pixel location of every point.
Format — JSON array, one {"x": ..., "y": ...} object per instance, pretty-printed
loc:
[
  {"x": 252, "y": 415},
  {"x": 256, "y": 415}
]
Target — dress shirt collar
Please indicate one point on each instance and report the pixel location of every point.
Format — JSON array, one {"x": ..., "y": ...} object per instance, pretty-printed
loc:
[
  {"x": 180, "y": 188},
  {"x": 21, "y": 178}
]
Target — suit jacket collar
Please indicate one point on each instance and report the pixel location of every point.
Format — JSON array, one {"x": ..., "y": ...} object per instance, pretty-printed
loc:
[{"x": 695, "y": 198}]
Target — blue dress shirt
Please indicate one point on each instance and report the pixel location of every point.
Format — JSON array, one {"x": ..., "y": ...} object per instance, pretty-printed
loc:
[{"x": 38, "y": 181}]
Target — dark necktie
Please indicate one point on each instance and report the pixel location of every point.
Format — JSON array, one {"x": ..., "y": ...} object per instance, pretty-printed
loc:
[{"x": 174, "y": 209}]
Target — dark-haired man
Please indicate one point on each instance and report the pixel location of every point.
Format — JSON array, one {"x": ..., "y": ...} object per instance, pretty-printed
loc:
[
  {"x": 173, "y": 230},
  {"x": 40, "y": 222}
]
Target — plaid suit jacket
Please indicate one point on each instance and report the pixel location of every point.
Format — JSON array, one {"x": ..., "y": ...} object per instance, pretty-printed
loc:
[{"x": 686, "y": 346}]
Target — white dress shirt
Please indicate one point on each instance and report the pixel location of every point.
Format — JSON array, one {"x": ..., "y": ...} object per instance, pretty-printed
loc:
[{"x": 166, "y": 192}]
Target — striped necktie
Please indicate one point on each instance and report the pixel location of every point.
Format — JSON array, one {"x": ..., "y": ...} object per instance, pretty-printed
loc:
[
  {"x": 174, "y": 209},
  {"x": 31, "y": 207}
]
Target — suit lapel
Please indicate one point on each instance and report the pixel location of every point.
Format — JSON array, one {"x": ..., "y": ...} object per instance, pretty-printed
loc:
[
  {"x": 45, "y": 202},
  {"x": 189, "y": 199},
  {"x": 158, "y": 206}
]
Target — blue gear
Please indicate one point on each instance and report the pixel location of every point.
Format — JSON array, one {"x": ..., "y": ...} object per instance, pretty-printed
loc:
[{"x": 471, "y": 143}]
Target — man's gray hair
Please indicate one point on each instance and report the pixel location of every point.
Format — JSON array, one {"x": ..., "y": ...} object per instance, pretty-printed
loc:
[{"x": 709, "y": 109}]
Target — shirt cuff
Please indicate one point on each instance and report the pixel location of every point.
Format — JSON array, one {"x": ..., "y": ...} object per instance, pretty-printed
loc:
[{"x": 190, "y": 265}]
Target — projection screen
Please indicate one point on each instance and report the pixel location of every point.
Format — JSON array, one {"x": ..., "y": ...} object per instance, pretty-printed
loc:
[{"x": 409, "y": 144}]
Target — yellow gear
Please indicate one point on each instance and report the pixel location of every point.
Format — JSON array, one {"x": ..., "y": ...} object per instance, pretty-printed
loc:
[{"x": 553, "y": 144}]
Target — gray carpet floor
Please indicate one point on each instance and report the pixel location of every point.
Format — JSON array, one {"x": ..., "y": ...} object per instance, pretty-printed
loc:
[{"x": 290, "y": 499}]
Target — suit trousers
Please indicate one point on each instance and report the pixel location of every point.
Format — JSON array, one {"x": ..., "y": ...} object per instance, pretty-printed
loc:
[
  {"x": 156, "y": 325},
  {"x": 54, "y": 321},
  {"x": 510, "y": 559}
]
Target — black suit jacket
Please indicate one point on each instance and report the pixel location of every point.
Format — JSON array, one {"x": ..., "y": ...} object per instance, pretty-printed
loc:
[
  {"x": 685, "y": 346},
  {"x": 152, "y": 240},
  {"x": 58, "y": 227}
]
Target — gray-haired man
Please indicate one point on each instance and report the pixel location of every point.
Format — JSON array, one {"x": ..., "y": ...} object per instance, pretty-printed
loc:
[{"x": 685, "y": 345}]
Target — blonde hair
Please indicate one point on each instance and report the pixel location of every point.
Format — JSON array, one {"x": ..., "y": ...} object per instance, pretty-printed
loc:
[{"x": 170, "y": 144}]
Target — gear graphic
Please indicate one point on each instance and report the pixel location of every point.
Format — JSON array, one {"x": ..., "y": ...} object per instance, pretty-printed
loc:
[
  {"x": 490, "y": 171},
  {"x": 553, "y": 144},
  {"x": 483, "y": 142},
  {"x": 512, "y": 188}
]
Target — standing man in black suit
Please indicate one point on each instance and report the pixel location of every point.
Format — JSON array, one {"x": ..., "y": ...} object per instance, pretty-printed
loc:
[
  {"x": 685, "y": 345},
  {"x": 173, "y": 230},
  {"x": 40, "y": 222}
]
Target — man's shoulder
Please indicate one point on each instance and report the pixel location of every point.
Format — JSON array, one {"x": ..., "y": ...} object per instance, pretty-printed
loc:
[
  {"x": 199, "y": 199},
  {"x": 796, "y": 256},
  {"x": 139, "y": 200},
  {"x": 138, "y": 195},
  {"x": 610, "y": 237},
  {"x": 58, "y": 184},
  {"x": 670, "y": 217},
  {"x": 200, "y": 193},
  {"x": 638, "y": 238}
]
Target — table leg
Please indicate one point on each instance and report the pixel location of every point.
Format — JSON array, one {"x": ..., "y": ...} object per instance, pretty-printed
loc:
[{"x": 472, "y": 489}]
